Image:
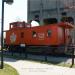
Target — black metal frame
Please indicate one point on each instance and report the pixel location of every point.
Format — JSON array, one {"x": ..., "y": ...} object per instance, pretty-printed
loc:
[{"x": 2, "y": 26}]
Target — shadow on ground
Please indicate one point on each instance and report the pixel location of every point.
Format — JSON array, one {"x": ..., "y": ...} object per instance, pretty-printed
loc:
[{"x": 50, "y": 59}]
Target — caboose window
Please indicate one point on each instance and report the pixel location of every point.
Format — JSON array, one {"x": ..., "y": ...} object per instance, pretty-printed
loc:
[
  {"x": 22, "y": 34},
  {"x": 49, "y": 33},
  {"x": 34, "y": 34}
]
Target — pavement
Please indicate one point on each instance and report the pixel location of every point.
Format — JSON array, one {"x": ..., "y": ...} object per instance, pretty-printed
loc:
[{"x": 26, "y": 67}]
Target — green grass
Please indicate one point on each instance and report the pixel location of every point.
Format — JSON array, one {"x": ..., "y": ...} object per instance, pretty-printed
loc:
[
  {"x": 8, "y": 70},
  {"x": 65, "y": 65}
]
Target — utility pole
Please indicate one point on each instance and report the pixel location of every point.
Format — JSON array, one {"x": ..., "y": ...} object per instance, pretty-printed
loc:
[
  {"x": 58, "y": 9},
  {"x": 41, "y": 12},
  {"x": 28, "y": 10}
]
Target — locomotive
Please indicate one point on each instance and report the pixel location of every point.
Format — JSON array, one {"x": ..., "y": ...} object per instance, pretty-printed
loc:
[{"x": 22, "y": 35}]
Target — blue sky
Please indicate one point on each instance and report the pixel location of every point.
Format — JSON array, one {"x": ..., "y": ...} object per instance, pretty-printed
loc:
[{"x": 15, "y": 12}]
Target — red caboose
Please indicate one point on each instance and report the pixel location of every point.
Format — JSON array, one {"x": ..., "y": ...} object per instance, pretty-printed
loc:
[{"x": 22, "y": 34}]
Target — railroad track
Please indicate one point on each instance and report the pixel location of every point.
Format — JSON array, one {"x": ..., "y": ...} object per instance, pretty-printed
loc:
[{"x": 36, "y": 53}]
